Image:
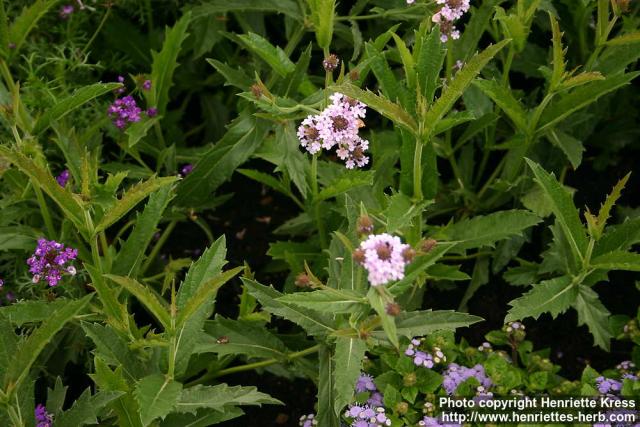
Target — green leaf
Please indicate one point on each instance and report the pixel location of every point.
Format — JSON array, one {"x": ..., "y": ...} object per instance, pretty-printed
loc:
[
  {"x": 569, "y": 145},
  {"x": 401, "y": 212},
  {"x": 86, "y": 408},
  {"x": 30, "y": 349},
  {"x": 618, "y": 237},
  {"x": 314, "y": 323},
  {"x": 208, "y": 266},
  {"x": 581, "y": 97},
  {"x": 234, "y": 77},
  {"x": 322, "y": 15},
  {"x": 456, "y": 88},
  {"x": 137, "y": 131},
  {"x": 149, "y": 299},
  {"x": 326, "y": 300},
  {"x": 407, "y": 60},
  {"x": 130, "y": 255},
  {"x": 595, "y": 315},
  {"x": 503, "y": 98},
  {"x": 609, "y": 203},
  {"x": 553, "y": 296},
  {"x": 378, "y": 302},
  {"x": 23, "y": 312},
  {"x": 244, "y": 337},
  {"x": 71, "y": 205},
  {"x": 481, "y": 231},
  {"x": 115, "y": 311},
  {"x": 165, "y": 63},
  {"x": 17, "y": 237},
  {"x": 382, "y": 105},
  {"x": 387, "y": 81},
  {"x": 74, "y": 101},
  {"x": 8, "y": 345},
  {"x": 219, "y": 396},
  {"x": 347, "y": 365},
  {"x": 617, "y": 260},
  {"x": 214, "y": 7},
  {"x": 421, "y": 323},
  {"x": 326, "y": 389},
  {"x": 346, "y": 183},
  {"x": 272, "y": 55},
  {"x": 204, "y": 418},
  {"x": 27, "y": 20},
  {"x": 242, "y": 139},
  {"x": 114, "y": 349},
  {"x": 625, "y": 39},
  {"x": 430, "y": 57},
  {"x": 564, "y": 210},
  {"x": 131, "y": 198},
  {"x": 157, "y": 396},
  {"x": 266, "y": 179}
]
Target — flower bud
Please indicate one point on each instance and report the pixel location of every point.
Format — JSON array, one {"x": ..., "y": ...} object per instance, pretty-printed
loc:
[
  {"x": 256, "y": 90},
  {"x": 365, "y": 225},
  {"x": 358, "y": 256},
  {"x": 408, "y": 255},
  {"x": 330, "y": 63},
  {"x": 427, "y": 245},
  {"x": 393, "y": 309},
  {"x": 302, "y": 280},
  {"x": 222, "y": 340},
  {"x": 410, "y": 379},
  {"x": 354, "y": 75},
  {"x": 402, "y": 408}
]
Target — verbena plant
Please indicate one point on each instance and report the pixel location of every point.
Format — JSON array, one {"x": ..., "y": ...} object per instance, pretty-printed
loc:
[{"x": 448, "y": 120}]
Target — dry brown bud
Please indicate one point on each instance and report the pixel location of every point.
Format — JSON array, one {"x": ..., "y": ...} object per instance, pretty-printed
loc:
[
  {"x": 365, "y": 225},
  {"x": 393, "y": 309},
  {"x": 358, "y": 256},
  {"x": 302, "y": 280},
  {"x": 427, "y": 245},
  {"x": 331, "y": 62}
]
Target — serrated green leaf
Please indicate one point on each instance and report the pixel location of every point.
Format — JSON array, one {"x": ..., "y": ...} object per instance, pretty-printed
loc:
[
  {"x": 86, "y": 408},
  {"x": 625, "y": 39},
  {"x": 553, "y": 296},
  {"x": 234, "y": 77},
  {"x": 346, "y": 183},
  {"x": 595, "y": 315},
  {"x": 322, "y": 15},
  {"x": 150, "y": 300},
  {"x": 504, "y": 99},
  {"x": 347, "y": 358},
  {"x": 272, "y": 55},
  {"x": 609, "y": 203},
  {"x": 130, "y": 255},
  {"x": 617, "y": 260},
  {"x": 326, "y": 300},
  {"x": 571, "y": 146},
  {"x": 157, "y": 396},
  {"x": 208, "y": 266},
  {"x": 114, "y": 349},
  {"x": 23, "y": 312},
  {"x": 137, "y": 131},
  {"x": 430, "y": 54},
  {"x": 75, "y": 100},
  {"x": 215, "y": 7},
  {"x": 8, "y": 345},
  {"x": 378, "y": 303},
  {"x": 204, "y": 418},
  {"x": 618, "y": 237},
  {"x": 313, "y": 323},
  {"x": 29, "y": 350},
  {"x": 165, "y": 63},
  {"x": 564, "y": 210},
  {"x": 218, "y": 396},
  {"x": 326, "y": 389},
  {"x": 27, "y": 20},
  {"x": 131, "y": 198},
  {"x": 421, "y": 323},
  {"x": 243, "y": 337}
]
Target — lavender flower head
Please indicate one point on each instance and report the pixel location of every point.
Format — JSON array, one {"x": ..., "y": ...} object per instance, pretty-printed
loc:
[
  {"x": 308, "y": 421},
  {"x": 43, "y": 418},
  {"x": 606, "y": 385},
  {"x": 383, "y": 256},
  {"x": 66, "y": 11},
  {"x": 366, "y": 416},
  {"x": 365, "y": 383},
  {"x": 49, "y": 261},
  {"x": 124, "y": 111},
  {"x": 63, "y": 178},
  {"x": 421, "y": 358},
  {"x": 146, "y": 85},
  {"x": 456, "y": 375},
  {"x": 435, "y": 422},
  {"x": 337, "y": 125}
]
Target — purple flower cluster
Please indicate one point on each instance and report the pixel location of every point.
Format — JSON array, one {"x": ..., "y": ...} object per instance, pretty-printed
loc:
[
  {"x": 66, "y": 11},
  {"x": 146, "y": 85},
  {"x": 435, "y": 422},
  {"x": 384, "y": 257},
  {"x": 365, "y": 384},
  {"x": 367, "y": 416},
  {"x": 421, "y": 358},
  {"x": 607, "y": 385},
  {"x": 308, "y": 421},
  {"x": 186, "y": 170},
  {"x": 123, "y": 111},
  {"x": 449, "y": 12},
  {"x": 456, "y": 375},
  {"x": 49, "y": 261},
  {"x": 63, "y": 178},
  {"x": 337, "y": 126},
  {"x": 43, "y": 418}
]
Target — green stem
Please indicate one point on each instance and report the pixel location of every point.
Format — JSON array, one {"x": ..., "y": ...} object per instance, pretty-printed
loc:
[
  {"x": 95, "y": 253},
  {"x": 105, "y": 247},
  {"x": 316, "y": 203},
  {"x": 156, "y": 249},
  {"x": 507, "y": 66},
  {"x": 255, "y": 365},
  {"x": 97, "y": 31},
  {"x": 417, "y": 172},
  {"x": 44, "y": 211}
]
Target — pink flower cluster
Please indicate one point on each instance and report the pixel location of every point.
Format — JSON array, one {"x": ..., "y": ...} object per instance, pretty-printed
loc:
[
  {"x": 384, "y": 257},
  {"x": 337, "y": 126},
  {"x": 450, "y": 11},
  {"x": 49, "y": 261}
]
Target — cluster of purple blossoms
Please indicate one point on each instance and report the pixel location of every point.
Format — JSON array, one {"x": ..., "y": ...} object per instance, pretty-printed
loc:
[
  {"x": 43, "y": 418},
  {"x": 365, "y": 384},
  {"x": 367, "y": 416},
  {"x": 607, "y": 385},
  {"x": 63, "y": 178},
  {"x": 308, "y": 421},
  {"x": 337, "y": 126},
  {"x": 49, "y": 261},
  {"x": 123, "y": 111},
  {"x": 435, "y": 422},
  {"x": 384, "y": 257},
  {"x": 456, "y": 375},
  {"x": 421, "y": 358},
  {"x": 449, "y": 12}
]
